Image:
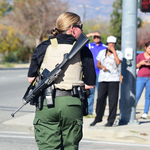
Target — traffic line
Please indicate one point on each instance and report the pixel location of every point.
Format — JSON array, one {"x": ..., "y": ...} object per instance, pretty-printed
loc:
[
  {"x": 8, "y": 134},
  {"x": 16, "y": 136},
  {"x": 11, "y": 132},
  {"x": 115, "y": 143},
  {"x": 84, "y": 141}
]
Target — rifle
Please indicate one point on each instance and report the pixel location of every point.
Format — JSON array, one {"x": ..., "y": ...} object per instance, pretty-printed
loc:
[{"x": 50, "y": 77}]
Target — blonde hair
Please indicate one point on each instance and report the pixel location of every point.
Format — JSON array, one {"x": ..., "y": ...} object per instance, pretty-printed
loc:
[{"x": 64, "y": 21}]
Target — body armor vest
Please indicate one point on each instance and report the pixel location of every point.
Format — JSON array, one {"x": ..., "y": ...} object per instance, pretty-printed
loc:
[{"x": 71, "y": 75}]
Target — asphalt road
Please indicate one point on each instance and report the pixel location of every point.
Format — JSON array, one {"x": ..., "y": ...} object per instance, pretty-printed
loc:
[
  {"x": 21, "y": 141},
  {"x": 13, "y": 84}
]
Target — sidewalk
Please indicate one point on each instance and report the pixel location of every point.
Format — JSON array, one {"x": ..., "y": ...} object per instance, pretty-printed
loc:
[{"x": 122, "y": 133}]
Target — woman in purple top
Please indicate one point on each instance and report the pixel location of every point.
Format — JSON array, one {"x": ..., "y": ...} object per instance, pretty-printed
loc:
[{"x": 143, "y": 78}]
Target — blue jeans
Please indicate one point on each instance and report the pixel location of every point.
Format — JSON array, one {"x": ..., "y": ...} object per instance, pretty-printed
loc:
[
  {"x": 140, "y": 84},
  {"x": 91, "y": 97}
]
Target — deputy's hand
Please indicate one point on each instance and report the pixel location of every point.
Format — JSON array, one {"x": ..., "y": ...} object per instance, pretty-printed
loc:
[
  {"x": 30, "y": 79},
  {"x": 89, "y": 86}
]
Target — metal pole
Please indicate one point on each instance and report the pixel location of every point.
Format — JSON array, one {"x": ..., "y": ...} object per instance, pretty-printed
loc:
[
  {"x": 128, "y": 68},
  {"x": 84, "y": 13}
]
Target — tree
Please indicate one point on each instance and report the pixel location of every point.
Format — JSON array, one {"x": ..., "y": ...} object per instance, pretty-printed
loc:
[
  {"x": 116, "y": 21},
  {"x": 4, "y": 8},
  {"x": 139, "y": 22},
  {"x": 143, "y": 36},
  {"x": 95, "y": 24},
  {"x": 36, "y": 18},
  {"x": 8, "y": 40}
]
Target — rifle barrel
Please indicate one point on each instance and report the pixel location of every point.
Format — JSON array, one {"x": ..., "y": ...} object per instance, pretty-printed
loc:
[{"x": 13, "y": 114}]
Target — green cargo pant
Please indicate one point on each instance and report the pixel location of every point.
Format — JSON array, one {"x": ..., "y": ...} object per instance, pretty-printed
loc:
[{"x": 59, "y": 127}]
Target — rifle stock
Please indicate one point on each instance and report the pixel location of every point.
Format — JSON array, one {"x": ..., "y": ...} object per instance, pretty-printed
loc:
[{"x": 50, "y": 77}]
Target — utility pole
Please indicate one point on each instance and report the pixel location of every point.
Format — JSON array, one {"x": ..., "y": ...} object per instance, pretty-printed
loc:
[
  {"x": 128, "y": 68},
  {"x": 84, "y": 13}
]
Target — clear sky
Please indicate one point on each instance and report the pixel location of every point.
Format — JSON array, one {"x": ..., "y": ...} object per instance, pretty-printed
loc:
[{"x": 97, "y": 8}]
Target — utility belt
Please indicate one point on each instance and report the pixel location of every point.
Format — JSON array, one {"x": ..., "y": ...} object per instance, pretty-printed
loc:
[
  {"x": 59, "y": 93},
  {"x": 77, "y": 91},
  {"x": 50, "y": 94}
]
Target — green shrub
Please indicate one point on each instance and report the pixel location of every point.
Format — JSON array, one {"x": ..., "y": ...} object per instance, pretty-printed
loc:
[
  {"x": 20, "y": 55},
  {"x": 24, "y": 54},
  {"x": 9, "y": 57}
]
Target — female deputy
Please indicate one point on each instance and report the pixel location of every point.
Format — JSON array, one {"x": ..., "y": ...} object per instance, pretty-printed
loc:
[{"x": 60, "y": 127}]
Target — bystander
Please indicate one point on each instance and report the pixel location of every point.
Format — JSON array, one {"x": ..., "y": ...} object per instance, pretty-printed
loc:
[{"x": 95, "y": 48}]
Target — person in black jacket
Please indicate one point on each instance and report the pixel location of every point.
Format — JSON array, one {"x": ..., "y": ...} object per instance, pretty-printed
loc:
[{"x": 60, "y": 126}]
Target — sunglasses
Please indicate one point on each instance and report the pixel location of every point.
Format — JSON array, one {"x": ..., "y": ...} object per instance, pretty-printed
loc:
[
  {"x": 94, "y": 37},
  {"x": 79, "y": 26}
]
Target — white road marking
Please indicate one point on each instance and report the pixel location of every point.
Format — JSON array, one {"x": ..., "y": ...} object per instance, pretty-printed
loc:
[
  {"x": 114, "y": 143},
  {"x": 84, "y": 141},
  {"x": 17, "y": 136},
  {"x": 11, "y": 132}
]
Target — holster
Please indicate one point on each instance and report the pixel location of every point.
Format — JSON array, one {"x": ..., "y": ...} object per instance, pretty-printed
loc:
[
  {"x": 50, "y": 96},
  {"x": 83, "y": 95},
  {"x": 85, "y": 102}
]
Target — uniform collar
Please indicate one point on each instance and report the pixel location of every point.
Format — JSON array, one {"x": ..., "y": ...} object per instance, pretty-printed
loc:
[{"x": 65, "y": 38}]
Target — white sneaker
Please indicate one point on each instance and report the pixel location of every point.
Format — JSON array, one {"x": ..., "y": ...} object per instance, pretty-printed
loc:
[{"x": 144, "y": 116}]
